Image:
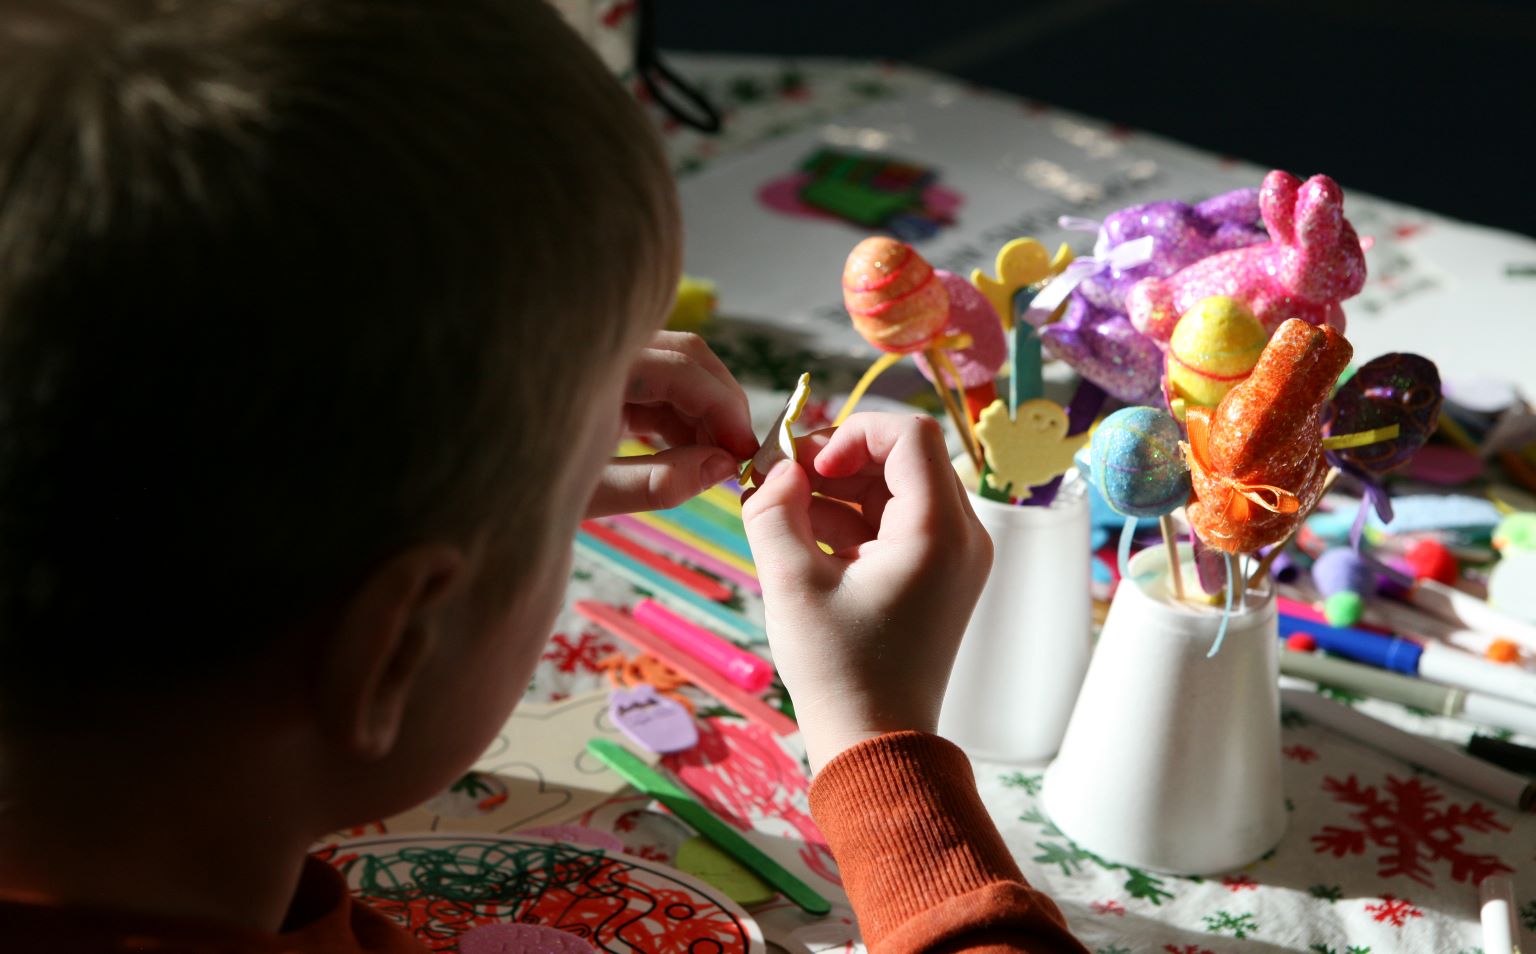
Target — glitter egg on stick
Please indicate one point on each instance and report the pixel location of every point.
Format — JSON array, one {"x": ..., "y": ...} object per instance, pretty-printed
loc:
[
  {"x": 1136, "y": 462},
  {"x": 1214, "y": 346},
  {"x": 1256, "y": 459},
  {"x": 1397, "y": 388},
  {"x": 894, "y": 297}
]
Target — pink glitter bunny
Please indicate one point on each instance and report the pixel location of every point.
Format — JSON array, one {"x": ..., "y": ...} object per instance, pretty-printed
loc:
[{"x": 1311, "y": 262}]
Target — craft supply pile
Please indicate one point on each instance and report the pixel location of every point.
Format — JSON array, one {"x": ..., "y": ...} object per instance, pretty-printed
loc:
[{"x": 1347, "y": 519}]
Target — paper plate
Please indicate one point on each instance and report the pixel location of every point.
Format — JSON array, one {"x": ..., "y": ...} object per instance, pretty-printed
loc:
[{"x": 439, "y": 886}]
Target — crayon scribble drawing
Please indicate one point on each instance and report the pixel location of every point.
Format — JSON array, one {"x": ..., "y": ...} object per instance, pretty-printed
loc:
[
  {"x": 439, "y": 886},
  {"x": 536, "y": 772}
]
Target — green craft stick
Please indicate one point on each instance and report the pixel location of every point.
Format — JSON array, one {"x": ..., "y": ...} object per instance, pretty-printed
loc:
[
  {"x": 1026, "y": 379},
  {"x": 700, "y": 819}
]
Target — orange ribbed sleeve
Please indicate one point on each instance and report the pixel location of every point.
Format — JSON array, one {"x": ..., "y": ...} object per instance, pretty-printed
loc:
[{"x": 923, "y": 865}]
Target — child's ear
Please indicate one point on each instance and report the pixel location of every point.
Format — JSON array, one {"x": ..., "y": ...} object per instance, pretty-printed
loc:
[{"x": 374, "y": 654}]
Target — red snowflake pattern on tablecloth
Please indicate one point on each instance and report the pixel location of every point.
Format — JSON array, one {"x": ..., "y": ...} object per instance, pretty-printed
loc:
[
  {"x": 583, "y": 654},
  {"x": 1300, "y": 753},
  {"x": 1187, "y": 949},
  {"x": 1236, "y": 883},
  {"x": 1408, "y": 821},
  {"x": 1108, "y": 907},
  {"x": 1396, "y": 911},
  {"x": 741, "y": 773}
]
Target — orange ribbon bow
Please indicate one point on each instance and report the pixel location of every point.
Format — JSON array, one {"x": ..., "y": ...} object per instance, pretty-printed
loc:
[{"x": 1237, "y": 509}]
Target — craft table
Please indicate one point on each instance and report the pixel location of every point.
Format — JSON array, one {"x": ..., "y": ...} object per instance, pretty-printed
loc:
[{"x": 1377, "y": 858}]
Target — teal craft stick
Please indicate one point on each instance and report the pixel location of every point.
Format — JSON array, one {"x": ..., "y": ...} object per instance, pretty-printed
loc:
[
  {"x": 731, "y": 542},
  {"x": 703, "y": 821},
  {"x": 727, "y": 522},
  {"x": 712, "y": 613},
  {"x": 1026, "y": 379}
]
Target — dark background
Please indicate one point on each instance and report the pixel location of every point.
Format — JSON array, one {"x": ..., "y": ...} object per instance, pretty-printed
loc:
[{"x": 1428, "y": 103}]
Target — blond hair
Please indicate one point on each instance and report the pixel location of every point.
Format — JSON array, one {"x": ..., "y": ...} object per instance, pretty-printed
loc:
[{"x": 285, "y": 286}]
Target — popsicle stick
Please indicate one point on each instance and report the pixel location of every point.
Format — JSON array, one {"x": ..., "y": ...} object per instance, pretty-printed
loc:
[
  {"x": 695, "y": 541},
  {"x": 1026, "y": 379},
  {"x": 706, "y": 823},
  {"x": 695, "y": 581},
  {"x": 683, "y": 553},
  {"x": 649, "y": 579}
]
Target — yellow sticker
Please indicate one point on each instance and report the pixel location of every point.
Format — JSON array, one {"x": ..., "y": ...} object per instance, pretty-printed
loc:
[{"x": 1030, "y": 449}]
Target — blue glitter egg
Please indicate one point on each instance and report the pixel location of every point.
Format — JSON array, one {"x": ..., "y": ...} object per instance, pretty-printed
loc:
[{"x": 1137, "y": 464}]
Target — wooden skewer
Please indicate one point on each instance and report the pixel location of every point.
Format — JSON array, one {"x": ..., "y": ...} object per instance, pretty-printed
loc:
[
  {"x": 956, "y": 412},
  {"x": 1175, "y": 565},
  {"x": 1262, "y": 569}
]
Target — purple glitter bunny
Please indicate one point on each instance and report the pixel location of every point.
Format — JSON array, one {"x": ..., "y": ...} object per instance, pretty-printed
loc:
[{"x": 1095, "y": 336}]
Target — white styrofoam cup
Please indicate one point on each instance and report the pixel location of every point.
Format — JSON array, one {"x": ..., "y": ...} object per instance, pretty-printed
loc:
[
  {"x": 1171, "y": 761},
  {"x": 1026, "y": 648}
]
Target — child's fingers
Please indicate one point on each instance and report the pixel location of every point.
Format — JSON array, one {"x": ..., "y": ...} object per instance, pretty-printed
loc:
[
  {"x": 664, "y": 377},
  {"x": 777, "y": 516},
  {"x": 908, "y": 453},
  {"x": 679, "y": 369},
  {"x": 663, "y": 422},
  {"x": 690, "y": 344},
  {"x": 838, "y": 525},
  {"x": 658, "y": 481}
]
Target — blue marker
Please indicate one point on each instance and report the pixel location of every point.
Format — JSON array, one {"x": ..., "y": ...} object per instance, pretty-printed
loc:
[{"x": 1430, "y": 660}]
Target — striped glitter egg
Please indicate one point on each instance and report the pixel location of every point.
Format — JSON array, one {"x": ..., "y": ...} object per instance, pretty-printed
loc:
[
  {"x": 1214, "y": 346},
  {"x": 891, "y": 293},
  {"x": 1137, "y": 463}
]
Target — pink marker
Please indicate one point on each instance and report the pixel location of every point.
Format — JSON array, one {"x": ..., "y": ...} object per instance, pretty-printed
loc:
[{"x": 745, "y": 669}]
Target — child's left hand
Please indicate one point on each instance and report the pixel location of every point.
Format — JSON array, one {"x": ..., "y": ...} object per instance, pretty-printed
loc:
[{"x": 680, "y": 392}]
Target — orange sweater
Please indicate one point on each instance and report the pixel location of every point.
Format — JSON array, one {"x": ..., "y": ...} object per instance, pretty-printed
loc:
[
  {"x": 923, "y": 865},
  {"x": 921, "y": 860}
]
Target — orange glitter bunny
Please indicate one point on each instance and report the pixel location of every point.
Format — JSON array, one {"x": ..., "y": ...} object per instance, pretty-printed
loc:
[{"x": 1256, "y": 459}]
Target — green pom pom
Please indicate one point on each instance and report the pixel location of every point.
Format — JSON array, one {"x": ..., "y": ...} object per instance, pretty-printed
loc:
[{"x": 1343, "y": 609}]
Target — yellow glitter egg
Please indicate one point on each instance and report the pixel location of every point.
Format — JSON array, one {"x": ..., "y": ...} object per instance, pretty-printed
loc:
[{"x": 1214, "y": 346}]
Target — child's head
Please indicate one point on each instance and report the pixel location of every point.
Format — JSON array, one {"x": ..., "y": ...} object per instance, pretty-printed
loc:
[{"x": 313, "y": 316}]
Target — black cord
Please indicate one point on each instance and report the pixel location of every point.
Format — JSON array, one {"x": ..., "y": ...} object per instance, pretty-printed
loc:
[{"x": 676, "y": 95}]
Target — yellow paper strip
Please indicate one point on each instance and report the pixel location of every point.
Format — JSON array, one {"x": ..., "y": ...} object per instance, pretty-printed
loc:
[
  {"x": 875, "y": 370},
  {"x": 1361, "y": 438}
]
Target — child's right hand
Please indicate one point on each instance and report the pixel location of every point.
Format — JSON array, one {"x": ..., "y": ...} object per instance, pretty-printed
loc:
[{"x": 864, "y": 638}]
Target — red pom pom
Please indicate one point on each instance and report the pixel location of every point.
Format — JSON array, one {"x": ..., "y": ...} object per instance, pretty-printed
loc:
[
  {"x": 1430, "y": 560},
  {"x": 1300, "y": 643}
]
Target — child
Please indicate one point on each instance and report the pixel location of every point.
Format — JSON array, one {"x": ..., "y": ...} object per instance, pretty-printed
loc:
[{"x": 318, "y": 322}]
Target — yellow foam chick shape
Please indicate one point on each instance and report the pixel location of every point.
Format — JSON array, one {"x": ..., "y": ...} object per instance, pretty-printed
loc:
[
  {"x": 1031, "y": 448},
  {"x": 779, "y": 442},
  {"x": 1020, "y": 263}
]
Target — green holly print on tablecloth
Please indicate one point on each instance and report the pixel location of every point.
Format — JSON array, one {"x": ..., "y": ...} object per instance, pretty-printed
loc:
[
  {"x": 1351, "y": 949},
  {"x": 1223, "y": 922},
  {"x": 1327, "y": 892},
  {"x": 1071, "y": 859},
  {"x": 1031, "y": 784}
]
